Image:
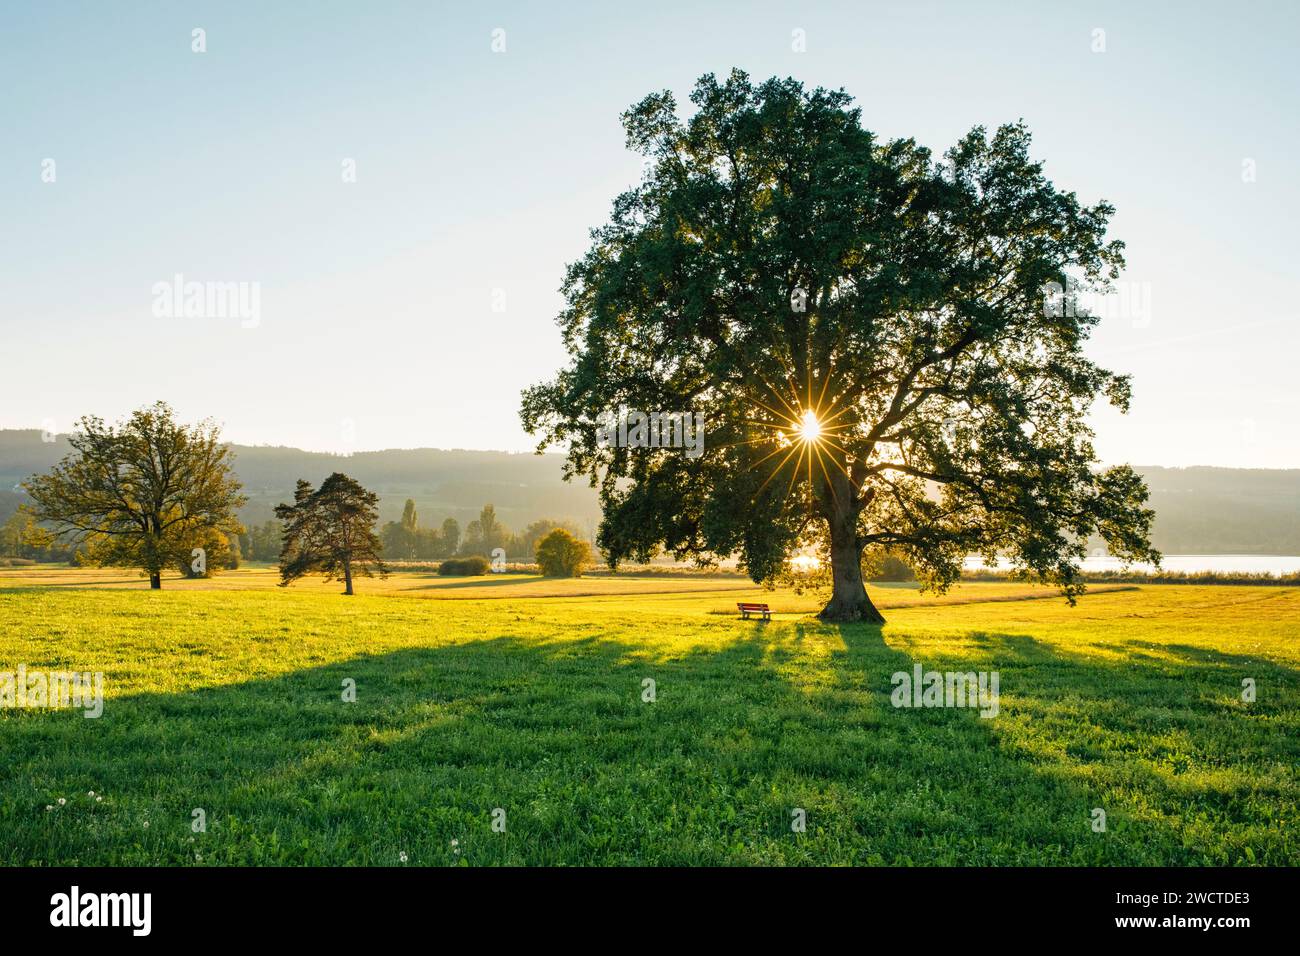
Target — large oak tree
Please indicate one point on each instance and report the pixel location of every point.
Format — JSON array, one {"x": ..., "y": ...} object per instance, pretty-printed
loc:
[
  {"x": 144, "y": 493},
  {"x": 865, "y": 329}
]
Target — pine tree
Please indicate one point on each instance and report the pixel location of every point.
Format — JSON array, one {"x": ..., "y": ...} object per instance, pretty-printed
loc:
[{"x": 331, "y": 531}]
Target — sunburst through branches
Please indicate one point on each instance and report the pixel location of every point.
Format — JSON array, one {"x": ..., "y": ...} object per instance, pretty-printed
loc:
[{"x": 806, "y": 432}]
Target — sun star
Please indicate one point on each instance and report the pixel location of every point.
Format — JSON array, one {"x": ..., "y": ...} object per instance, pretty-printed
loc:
[
  {"x": 809, "y": 429},
  {"x": 804, "y": 563}
]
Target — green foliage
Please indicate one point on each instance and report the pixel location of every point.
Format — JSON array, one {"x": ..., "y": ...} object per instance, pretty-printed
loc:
[
  {"x": 263, "y": 542},
  {"x": 330, "y": 531},
  {"x": 429, "y": 544},
  {"x": 402, "y": 539},
  {"x": 405, "y": 541},
  {"x": 526, "y": 545},
  {"x": 218, "y": 554},
  {"x": 778, "y": 257},
  {"x": 485, "y": 534},
  {"x": 410, "y": 517},
  {"x": 561, "y": 555},
  {"x": 881, "y": 564},
  {"x": 472, "y": 565},
  {"x": 450, "y": 535},
  {"x": 22, "y": 537},
  {"x": 140, "y": 494},
  {"x": 398, "y": 542}
]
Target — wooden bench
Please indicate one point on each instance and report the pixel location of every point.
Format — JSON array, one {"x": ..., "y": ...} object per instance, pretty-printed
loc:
[{"x": 748, "y": 609}]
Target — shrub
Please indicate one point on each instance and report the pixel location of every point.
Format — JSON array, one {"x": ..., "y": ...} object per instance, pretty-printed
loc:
[
  {"x": 561, "y": 555},
  {"x": 461, "y": 567},
  {"x": 884, "y": 565},
  {"x": 894, "y": 568}
]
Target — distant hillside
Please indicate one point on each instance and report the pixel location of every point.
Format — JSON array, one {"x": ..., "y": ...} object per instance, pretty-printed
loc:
[
  {"x": 1198, "y": 510},
  {"x": 456, "y": 484},
  {"x": 1225, "y": 510}
]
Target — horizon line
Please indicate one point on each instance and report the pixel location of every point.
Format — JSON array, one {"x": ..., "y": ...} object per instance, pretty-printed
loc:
[{"x": 543, "y": 454}]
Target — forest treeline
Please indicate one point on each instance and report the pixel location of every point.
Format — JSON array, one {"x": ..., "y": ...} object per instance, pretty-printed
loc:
[
  {"x": 407, "y": 540},
  {"x": 403, "y": 540}
]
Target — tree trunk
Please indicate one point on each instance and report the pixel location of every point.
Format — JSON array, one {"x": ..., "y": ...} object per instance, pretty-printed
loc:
[
  {"x": 849, "y": 601},
  {"x": 155, "y": 580},
  {"x": 347, "y": 577}
]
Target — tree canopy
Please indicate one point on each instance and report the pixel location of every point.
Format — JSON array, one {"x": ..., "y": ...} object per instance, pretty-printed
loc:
[
  {"x": 144, "y": 493},
  {"x": 330, "y": 531},
  {"x": 865, "y": 329}
]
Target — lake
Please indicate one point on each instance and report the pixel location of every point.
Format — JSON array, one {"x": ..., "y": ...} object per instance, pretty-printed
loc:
[{"x": 1228, "y": 563}]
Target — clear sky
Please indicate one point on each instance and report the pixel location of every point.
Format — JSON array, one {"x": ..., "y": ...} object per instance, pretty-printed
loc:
[{"x": 479, "y": 171}]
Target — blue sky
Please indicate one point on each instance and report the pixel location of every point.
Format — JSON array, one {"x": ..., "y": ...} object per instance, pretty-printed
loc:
[{"x": 479, "y": 171}]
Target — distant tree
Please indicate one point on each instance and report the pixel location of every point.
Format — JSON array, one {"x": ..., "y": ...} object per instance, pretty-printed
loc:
[
  {"x": 561, "y": 555},
  {"x": 11, "y": 535},
  {"x": 397, "y": 541},
  {"x": 527, "y": 542},
  {"x": 234, "y": 558},
  {"x": 265, "y": 541},
  {"x": 514, "y": 546},
  {"x": 137, "y": 494},
  {"x": 401, "y": 537},
  {"x": 880, "y": 564},
  {"x": 410, "y": 518},
  {"x": 22, "y": 537},
  {"x": 473, "y": 543},
  {"x": 330, "y": 531},
  {"x": 450, "y": 537},
  {"x": 494, "y": 532},
  {"x": 428, "y": 544},
  {"x": 881, "y": 340},
  {"x": 485, "y": 534}
]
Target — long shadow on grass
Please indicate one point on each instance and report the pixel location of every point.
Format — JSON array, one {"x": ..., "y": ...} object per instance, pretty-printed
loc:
[
  {"x": 589, "y": 751},
  {"x": 1187, "y": 772},
  {"x": 449, "y": 583}
]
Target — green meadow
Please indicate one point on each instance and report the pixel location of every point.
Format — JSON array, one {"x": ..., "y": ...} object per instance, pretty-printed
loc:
[{"x": 526, "y": 698}]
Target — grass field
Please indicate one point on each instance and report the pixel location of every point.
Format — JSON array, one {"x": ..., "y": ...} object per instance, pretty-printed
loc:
[{"x": 526, "y": 695}]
